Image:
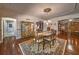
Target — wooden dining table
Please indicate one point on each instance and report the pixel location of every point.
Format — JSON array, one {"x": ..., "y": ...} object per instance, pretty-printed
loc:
[{"x": 44, "y": 35}]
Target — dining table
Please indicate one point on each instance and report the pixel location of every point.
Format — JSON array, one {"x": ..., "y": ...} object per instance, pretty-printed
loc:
[{"x": 46, "y": 36}]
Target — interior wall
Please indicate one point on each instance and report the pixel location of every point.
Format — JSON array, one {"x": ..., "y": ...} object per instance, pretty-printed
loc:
[
  {"x": 25, "y": 18},
  {"x": 56, "y": 19},
  {"x": 34, "y": 19},
  {"x": 5, "y": 12},
  {"x": 9, "y": 14}
]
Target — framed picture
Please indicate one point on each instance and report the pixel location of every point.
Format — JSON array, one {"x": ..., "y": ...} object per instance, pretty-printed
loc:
[{"x": 10, "y": 27}]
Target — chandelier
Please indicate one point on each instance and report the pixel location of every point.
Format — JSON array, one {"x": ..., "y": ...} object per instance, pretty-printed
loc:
[{"x": 47, "y": 10}]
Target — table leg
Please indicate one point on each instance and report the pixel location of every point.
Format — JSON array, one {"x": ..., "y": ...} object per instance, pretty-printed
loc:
[
  {"x": 43, "y": 44},
  {"x": 38, "y": 45},
  {"x": 50, "y": 44}
]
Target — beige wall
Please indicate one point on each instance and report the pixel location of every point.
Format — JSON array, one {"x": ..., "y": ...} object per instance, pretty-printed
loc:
[
  {"x": 5, "y": 12},
  {"x": 23, "y": 17}
]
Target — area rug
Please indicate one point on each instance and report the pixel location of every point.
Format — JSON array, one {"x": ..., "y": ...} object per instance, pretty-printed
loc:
[{"x": 32, "y": 49}]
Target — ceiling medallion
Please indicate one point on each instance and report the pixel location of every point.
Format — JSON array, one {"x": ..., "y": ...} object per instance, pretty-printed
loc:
[{"x": 47, "y": 10}]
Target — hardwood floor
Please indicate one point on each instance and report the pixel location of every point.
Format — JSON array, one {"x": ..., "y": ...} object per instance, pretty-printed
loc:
[
  {"x": 72, "y": 47},
  {"x": 10, "y": 46}
]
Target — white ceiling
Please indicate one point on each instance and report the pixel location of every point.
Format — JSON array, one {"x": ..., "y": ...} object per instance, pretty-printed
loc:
[{"x": 58, "y": 9}]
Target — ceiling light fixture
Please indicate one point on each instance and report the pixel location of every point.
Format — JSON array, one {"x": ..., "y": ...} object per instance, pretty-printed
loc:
[
  {"x": 47, "y": 10},
  {"x": 70, "y": 20}
]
